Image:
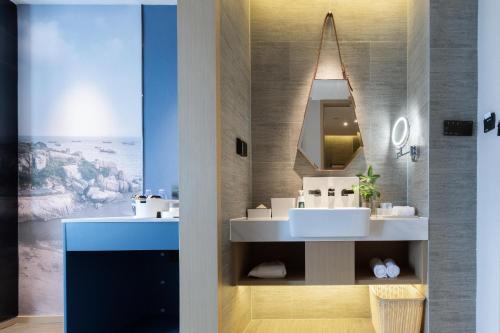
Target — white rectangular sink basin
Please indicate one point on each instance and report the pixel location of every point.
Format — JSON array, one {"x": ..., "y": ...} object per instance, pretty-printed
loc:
[{"x": 324, "y": 222}]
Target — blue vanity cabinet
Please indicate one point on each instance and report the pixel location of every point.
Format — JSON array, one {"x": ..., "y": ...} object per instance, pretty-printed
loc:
[{"x": 121, "y": 277}]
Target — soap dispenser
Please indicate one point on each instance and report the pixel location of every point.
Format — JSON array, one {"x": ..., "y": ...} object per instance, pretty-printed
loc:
[{"x": 301, "y": 200}]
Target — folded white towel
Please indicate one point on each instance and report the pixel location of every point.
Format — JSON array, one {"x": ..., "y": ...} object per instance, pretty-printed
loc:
[
  {"x": 269, "y": 270},
  {"x": 378, "y": 268},
  {"x": 403, "y": 211},
  {"x": 393, "y": 270}
]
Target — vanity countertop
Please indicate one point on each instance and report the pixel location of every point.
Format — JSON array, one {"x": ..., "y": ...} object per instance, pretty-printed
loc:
[
  {"x": 126, "y": 233},
  {"x": 122, "y": 219},
  {"x": 381, "y": 229}
]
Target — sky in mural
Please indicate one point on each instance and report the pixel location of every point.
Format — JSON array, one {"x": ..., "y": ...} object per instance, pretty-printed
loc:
[{"x": 96, "y": 53}]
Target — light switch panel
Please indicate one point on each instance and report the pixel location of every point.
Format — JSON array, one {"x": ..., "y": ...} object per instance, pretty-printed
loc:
[
  {"x": 458, "y": 128},
  {"x": 489, "y": 122},
  {"x": 241, "y": 148}
]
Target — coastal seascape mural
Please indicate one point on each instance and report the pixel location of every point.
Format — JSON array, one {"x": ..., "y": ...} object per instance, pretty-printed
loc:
[{"x": 80, "y": 127}]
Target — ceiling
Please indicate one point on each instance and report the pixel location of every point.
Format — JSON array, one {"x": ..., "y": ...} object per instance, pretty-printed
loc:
[{"x": 95, "y": 2}]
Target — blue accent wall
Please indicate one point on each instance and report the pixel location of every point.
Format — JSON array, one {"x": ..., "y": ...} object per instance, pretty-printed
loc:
[{"x": 161, "y": 135}]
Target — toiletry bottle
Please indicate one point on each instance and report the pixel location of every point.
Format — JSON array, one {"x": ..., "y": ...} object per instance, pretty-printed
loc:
[
  {"x": 301, "y": 200},
  {"x": 331, "y": 198}
]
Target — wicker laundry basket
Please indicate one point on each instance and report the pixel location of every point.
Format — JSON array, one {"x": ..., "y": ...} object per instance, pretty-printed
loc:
[{"x": 396, "y": 309}]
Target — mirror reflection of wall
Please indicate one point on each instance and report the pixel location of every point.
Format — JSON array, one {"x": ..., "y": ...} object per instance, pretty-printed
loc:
[
  {"x": 341, "y": 135},
  {"x": 330, "y": 137}
]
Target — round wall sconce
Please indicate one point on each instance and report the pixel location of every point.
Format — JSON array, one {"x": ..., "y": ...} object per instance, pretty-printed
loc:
[{"x": 399, "y": 135}]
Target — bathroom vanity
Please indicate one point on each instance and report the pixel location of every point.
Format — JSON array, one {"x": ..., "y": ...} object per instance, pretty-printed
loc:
[
  {"x": 121, "y": 275},
  {"x": 330, "y": 260}
]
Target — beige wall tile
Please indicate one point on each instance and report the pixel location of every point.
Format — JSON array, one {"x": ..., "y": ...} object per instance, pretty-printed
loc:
[
  {"x": 319, "y": 302},
  {"x": 285, "y": 37},
  {"x": 235, "y": 170}
]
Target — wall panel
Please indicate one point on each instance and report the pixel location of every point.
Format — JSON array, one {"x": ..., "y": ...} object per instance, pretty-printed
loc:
[
  {"x": 488, "y": 226},
  {"x": 9, "y": 277},
  {"x": 235, "y": 170},
  {"x": 452, "y": 167},
  {"x": 418, "y": 103},
  {"x": 199, "y": 151}
]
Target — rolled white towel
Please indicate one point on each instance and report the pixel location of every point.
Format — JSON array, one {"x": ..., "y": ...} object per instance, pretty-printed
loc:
[
  {"x": 378, "y": 268},
  {"x": 269, "y": 270},
  {"x": 393, "y": 270}
]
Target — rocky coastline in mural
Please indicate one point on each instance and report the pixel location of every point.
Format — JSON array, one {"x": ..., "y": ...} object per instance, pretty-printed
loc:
[
  {"x": 56, "y": 182},
  {"x": 64, "y": 177}
]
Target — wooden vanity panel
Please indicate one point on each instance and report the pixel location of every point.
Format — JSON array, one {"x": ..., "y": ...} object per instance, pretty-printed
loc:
[
  {"x": 330, "y": 263},
  {"x": 418, "y": 258}
]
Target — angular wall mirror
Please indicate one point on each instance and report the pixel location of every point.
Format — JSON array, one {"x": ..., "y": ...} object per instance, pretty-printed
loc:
[{"x": 330, "y": 136}]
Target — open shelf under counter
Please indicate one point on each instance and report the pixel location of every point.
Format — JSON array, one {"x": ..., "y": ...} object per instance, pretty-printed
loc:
[
  {"x": 330, "y": 263},
  {"x": 381, "y": 229},
  {"x": 410, "y": 256},
  {"x": 248, "y": 255}
]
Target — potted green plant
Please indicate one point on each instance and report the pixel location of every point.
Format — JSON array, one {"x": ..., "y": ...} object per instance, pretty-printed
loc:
[{"x": 367, "y": 189}]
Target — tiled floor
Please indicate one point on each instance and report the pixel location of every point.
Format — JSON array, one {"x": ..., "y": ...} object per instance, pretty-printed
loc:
[
  {"x": 34, "y": 328},
  {"x": 310, "y": 326}
]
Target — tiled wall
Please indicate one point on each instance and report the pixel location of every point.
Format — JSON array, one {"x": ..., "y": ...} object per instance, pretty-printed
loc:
[
  {"x": 452, "y": 167},
  {"x": 418, "y": 109},
  {"x": 488, "y": 177},
  {"x": 418, "y": 103},
  {"x": 310, "y": 302},
  {"x": 436, "y": 82},
  {"x": 285, "y": 37},
  {"x": 235, "y": 170}
]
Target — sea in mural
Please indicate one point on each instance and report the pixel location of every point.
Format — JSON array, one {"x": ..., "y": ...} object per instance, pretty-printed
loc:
[{"x": 61, "y": 177}]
